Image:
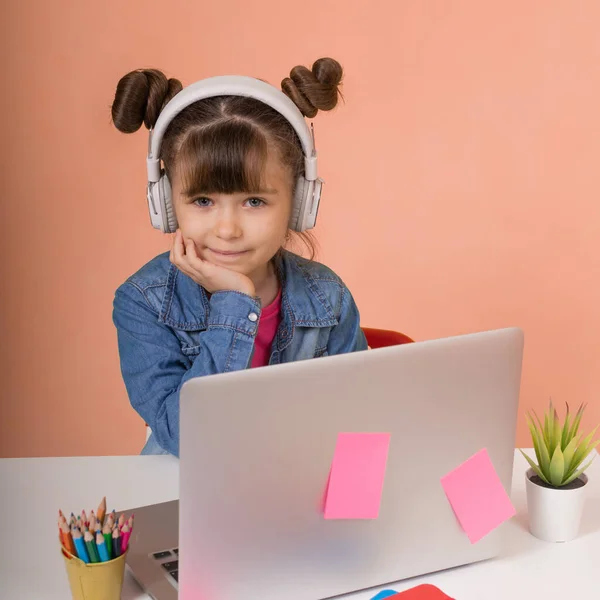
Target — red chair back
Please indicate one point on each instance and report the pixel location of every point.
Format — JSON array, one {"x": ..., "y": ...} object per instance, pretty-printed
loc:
[{"x": 379, "y": 338}]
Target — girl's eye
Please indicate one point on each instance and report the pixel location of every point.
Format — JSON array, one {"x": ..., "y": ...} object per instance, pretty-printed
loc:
[
  {"x": 203, "y": 202},
  {"x": 255, "y": 202}
]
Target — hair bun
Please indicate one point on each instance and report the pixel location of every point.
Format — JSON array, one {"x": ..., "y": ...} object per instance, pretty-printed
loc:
[
  {"x": 140, "y": 97},
  {"x": 316, "y": 89}
]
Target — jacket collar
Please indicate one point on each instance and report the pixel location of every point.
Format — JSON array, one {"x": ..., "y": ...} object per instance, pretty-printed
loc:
[{"x": 185, "y": 304}]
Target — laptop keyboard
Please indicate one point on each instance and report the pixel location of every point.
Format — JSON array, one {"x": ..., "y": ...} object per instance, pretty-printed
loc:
[{"x": 169, "y": 561}]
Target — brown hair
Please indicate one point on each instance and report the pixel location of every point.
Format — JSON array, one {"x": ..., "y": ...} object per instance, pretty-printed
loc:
[{"x": 220, "y": 144}]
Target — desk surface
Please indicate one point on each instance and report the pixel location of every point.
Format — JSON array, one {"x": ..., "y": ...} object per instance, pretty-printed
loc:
[{"x": 34, "y": 488}]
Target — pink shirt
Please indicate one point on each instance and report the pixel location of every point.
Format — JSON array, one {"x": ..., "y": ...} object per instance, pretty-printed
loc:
[{"x": 267, "y": 329}]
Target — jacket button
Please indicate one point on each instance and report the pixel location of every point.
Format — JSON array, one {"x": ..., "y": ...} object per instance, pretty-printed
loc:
[{"x": 253, "y": 317}]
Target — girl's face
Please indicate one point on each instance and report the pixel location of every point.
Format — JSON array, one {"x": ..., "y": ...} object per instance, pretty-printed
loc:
[{"x": 240, "y": 231}]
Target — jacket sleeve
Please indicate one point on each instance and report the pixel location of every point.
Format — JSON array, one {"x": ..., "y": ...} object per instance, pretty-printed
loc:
[
  {"x": 347, "y": 335},
  {"x": 153, "y": 365}
]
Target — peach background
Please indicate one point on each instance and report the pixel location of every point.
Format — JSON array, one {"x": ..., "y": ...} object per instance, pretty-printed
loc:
[{"x": 462, "y": 191}]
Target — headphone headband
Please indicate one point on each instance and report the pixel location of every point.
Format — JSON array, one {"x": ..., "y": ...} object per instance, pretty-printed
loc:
[{"x": 231, "y": 85}]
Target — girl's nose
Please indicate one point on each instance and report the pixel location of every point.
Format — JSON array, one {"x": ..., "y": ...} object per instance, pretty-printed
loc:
[{"x": 227, "y": 226}]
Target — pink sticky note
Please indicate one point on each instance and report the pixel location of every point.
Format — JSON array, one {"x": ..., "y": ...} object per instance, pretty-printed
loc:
[
  {"x": 477, "y": 496},
  {"x": 356, "y": 478}
]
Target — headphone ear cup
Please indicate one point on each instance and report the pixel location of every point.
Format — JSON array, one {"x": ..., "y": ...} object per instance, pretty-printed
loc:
[
  {"x": 299, "y": 204},
  {"x": 170, "y": 219},
  {"x": 153, "y": 198}
]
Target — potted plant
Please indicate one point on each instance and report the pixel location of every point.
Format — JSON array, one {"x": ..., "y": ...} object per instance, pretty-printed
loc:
[{"x": 556, "y": 484}]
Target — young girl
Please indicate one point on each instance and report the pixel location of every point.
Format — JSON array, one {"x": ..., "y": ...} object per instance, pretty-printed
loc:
[{"x": 228, "y": 296}]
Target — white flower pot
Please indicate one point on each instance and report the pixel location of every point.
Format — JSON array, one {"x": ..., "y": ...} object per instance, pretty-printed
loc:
[{"x": 554, "y": 513}]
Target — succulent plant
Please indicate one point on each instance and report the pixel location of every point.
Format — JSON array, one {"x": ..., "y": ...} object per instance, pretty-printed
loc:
[{"x": 558, "y": 446}]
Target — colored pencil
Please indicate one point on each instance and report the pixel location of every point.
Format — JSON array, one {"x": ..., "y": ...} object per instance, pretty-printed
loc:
[
  {"x": 107, "y": 533},
  {"x": 111, "y": 519},
  {"x": 116, "y": 535},
  {"x": 61, "y": 537},
  {"x": 84, "y": 518},
  {"x": 90, "y": 544},
  {"x": 101, "y": 546},
  {"x": 125, "y": 535},
  {"x": 60, "y": 534},
  {"x": 101, "y": 512},
  {"x": 80, "y": 546},
  {"x": 92, "y": 526},
  {"x": 121, "y": 521},
  {"x": 61, "y": 520},
  {"x": 68, "y": 539}
]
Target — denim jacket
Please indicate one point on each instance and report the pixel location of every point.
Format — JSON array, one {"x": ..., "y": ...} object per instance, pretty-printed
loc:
[{"x": 170, "y": 330}]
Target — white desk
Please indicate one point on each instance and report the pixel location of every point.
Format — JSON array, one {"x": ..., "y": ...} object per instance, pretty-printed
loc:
[{"x": 32, "y": 490}]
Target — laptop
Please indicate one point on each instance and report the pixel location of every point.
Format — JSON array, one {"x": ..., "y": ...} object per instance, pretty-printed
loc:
[{"x": 255, "y": 455}]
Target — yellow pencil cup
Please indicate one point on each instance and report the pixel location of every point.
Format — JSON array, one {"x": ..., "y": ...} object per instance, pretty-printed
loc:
[{"x": 95, "y": 581}]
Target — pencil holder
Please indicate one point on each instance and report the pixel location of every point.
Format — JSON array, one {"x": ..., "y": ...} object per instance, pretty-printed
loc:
[{"x": 95, "y": 581}]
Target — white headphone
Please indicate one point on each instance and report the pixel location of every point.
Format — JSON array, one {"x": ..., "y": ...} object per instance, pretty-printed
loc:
[{"x": 308, "y": 189}]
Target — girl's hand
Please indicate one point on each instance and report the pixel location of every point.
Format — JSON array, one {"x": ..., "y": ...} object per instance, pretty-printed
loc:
[{"x": 211, "y": 277}]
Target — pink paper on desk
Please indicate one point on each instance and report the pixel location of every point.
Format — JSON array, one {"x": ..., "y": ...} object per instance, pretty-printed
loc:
[
  {"x": 477, "y": 496},
  {"x": 357, "y": 473}
]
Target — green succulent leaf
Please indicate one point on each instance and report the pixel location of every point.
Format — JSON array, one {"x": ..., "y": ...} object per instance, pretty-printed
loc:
[
  {"x": 541, "y": 428},
  {"x": 581, "y": 454},
  {"x": 577, "y": 420},
  {"x": 557, "y": 431},
  {"x": 545, "y": 463},
  {"x": 584, "y": 448},
  {"x": 579, "y": 471},
  {"x": 566, "y": 439},
  {"x": 557, "y": 467},
  {"x": 535, "y": 468},
  {"x": 536, "y": 438},
  {"x": 539, "y": 444},
  {"x": 569, "y": 452}
]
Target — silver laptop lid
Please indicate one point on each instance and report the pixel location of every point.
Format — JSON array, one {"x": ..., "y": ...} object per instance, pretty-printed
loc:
[{"x": 256, "y": 450}]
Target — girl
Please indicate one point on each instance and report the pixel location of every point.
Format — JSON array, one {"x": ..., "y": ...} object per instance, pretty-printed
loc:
[{"x": 228, "y": 296}]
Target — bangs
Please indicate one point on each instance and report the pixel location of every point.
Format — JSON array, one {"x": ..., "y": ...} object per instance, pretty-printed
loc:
[{"x": 226, "y": 157}]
